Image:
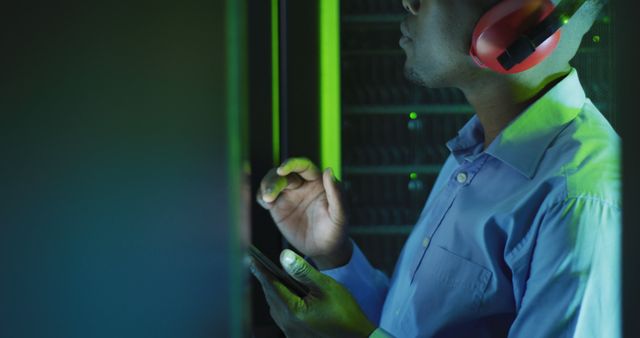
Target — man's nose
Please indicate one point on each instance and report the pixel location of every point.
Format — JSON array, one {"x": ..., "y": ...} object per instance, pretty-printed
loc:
[{"x": 412, "y": 6}]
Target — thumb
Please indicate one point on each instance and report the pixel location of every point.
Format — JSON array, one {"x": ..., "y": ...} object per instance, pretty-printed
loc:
[
  {"x": 300, "y": 269},
  {"x": 334, "y": 197}
]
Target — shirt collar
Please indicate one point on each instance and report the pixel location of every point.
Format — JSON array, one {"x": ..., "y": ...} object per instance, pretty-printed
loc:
[{"x": 523, "y": 142}]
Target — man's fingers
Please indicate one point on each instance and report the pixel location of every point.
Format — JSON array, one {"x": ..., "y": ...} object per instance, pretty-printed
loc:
[
  {"x": 273, "y": 184},
  {"x": 279, "y": 297},
  {"x": 267, "y": 282},
  {"x": 294, "y": 181},
  {"x": 334, "y": 197},
  {"x": 258, "y": 271},
  {"x": 301, "y": 166},
  {"x": 261, "y": 201},
  {"x": 301, "y": 270}
]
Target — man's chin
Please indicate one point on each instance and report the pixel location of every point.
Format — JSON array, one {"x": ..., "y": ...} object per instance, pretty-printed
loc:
[
  {"x": 426, "y": 79},
  {"x": 412, "y": 76}
]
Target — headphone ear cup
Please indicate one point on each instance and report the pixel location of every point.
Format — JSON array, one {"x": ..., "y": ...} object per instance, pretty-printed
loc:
[{"x": 502, "y": 25}]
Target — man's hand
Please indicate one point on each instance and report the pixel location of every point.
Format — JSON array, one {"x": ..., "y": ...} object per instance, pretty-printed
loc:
[
  {"x": 306, "y": 206},
  {"x": 328, "y": 310}
]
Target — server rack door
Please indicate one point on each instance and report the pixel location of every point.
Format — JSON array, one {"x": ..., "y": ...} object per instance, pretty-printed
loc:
[{"x": 121, "y": 167}]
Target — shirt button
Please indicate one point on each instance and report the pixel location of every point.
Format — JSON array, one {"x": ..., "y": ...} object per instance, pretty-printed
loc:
[
  {"x": 425, "y": 242},
  {"x": 461, "y": 177}
]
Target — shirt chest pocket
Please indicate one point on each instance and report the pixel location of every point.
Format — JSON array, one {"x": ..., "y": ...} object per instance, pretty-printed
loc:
[{"x": 447, "y": 288}]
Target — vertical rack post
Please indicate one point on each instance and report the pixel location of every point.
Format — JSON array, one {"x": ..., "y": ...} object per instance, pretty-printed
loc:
[
  {"x": 275, "y": 81},
  {"x": 329, "y": 75}
]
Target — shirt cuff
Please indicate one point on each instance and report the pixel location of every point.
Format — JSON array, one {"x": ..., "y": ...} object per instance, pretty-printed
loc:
[
  {"x": 343, "y": 272},
  {"x": 353, "y": 273},
  {"x": 380, "y": 333}
]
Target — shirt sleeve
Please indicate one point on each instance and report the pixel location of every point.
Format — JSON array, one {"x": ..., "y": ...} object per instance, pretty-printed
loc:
[
  {"x": 573, "y": 284},
  {"x": 380, "y": 333},
  {"x": 366, "y": 284}
]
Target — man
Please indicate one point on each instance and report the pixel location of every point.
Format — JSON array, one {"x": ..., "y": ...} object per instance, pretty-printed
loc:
[{"x": 520, "y": 235}]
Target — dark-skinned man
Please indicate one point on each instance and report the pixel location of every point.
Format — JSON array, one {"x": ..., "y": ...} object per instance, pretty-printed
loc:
[{"x": 520, "y": 234}]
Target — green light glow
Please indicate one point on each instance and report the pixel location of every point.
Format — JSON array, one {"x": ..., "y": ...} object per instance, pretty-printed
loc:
[
  {"x": 275, "y": 82},
  {"x": 564, "y": 19},
  {"x": 413, "y": 176},
  {"x": 413, "y": 115},
  {"x": 330, "y": 85},
  {"x": 596, "y": 38}
]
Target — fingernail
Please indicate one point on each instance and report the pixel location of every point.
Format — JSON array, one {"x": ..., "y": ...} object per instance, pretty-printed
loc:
[{"x": 288, "y": 258}]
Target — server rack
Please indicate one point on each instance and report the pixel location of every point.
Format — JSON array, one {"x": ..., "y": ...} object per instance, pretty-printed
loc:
[{"x": 394, "y": 132}]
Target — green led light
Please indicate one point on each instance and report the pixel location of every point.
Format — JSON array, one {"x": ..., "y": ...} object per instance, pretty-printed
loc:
[
  {"x": 275, "y": 83},
  {"x": 564, "y": 19},
  {"x": 329, "y": 11},
  {"x": 413, "y": 176},
  {"x": 596, "y": 38},
  {"x": 413, "y": 115}
]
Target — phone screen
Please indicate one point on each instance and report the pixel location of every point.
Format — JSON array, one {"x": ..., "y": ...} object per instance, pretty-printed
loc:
[{"x": 296, "y": 287}]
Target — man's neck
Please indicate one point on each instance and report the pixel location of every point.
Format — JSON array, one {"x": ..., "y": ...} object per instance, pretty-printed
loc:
[{"x": 499, "y": 99}]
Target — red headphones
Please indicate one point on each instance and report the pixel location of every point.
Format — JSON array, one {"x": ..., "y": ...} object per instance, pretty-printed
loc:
[{"x": 516, "y": 35}]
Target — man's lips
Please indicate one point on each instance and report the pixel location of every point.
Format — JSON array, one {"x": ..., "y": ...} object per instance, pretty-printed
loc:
[
  {"x": 404, "y": 40},
  {"x": 405, "y": 31},
  {"x": 406, "y": 37}
]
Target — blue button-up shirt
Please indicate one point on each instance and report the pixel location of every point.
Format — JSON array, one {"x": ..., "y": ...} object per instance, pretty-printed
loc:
[{"x": 521, "y": 239}]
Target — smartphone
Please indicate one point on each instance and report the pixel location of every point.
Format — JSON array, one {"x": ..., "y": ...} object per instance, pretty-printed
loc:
[{"x": 282, "y": 276}]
